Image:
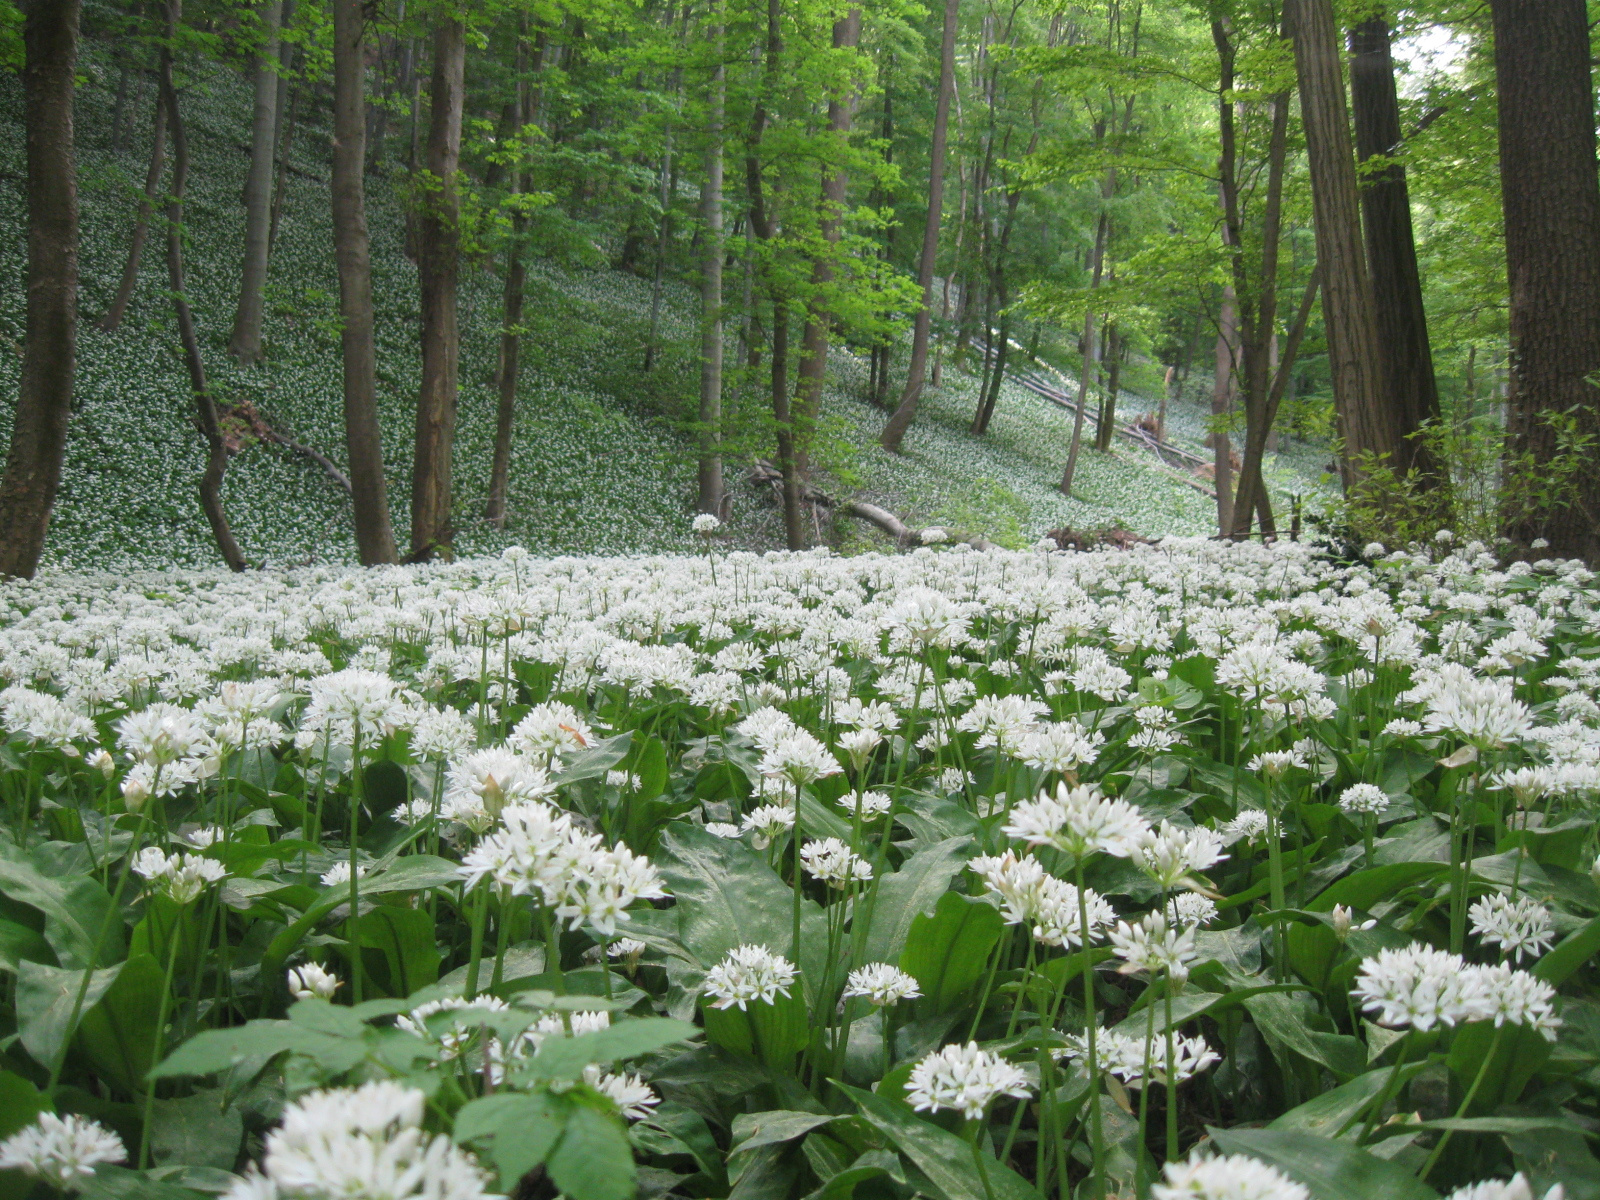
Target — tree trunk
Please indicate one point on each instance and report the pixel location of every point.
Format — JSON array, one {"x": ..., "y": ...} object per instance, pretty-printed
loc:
[
  {"x": 510, "y": 330},
  {"x": 437, "y": 266},
  {"x": 1353, "y": 355},
  {"x": 141, "y": 222},
  {"x": 245, "y": 341},
  {"x": 710, "y": 497},
  {"x": 794, "y": 527},
  {"x": 813, "y": 364},
  {"x": 1091, "y": 354},
  {"x": 205, "y": 408},
  {"x": 363, "y": 443},
  {"x": 283, "y": 114},
  {"x": 1402, "y": 321},
  {"x": 1552, "y": 218},
  {"x": 905, "y": 412},
  {"x": 1221, "y": 405},
  {"x": 1108, "y": 405},
  {"x": 44, "y": 400}
]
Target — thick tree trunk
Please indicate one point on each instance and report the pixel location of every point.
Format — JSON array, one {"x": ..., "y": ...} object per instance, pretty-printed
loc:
[
  {"x": 141, "y": 222},
  {"x": 813, "y": 364},
  {"x": 44, "y": 400},
  {"x": 710, "y": 498},
  {"x": 437, "y": 265},
  {"x": 1552, "y": 217},
  {"x": 245, "y": 341},
  {"x": 1402, "y": 322},
  {"x": 205, "y": 407},
  {"x": 1107, "y": 425},
  {"x": 905, "y": 412},
  {"x": 363, "y": 443},
  {"x": 1353, "y": 354}
]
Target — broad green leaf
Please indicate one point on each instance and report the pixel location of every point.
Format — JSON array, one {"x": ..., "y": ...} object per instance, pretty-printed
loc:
[
  {"x": 597, "y": 759},
  {"x": 20, "y": 1105},
  {"x": 946, "y": 1160},
  {"x": 197, "y": 1131},
  {"x": 76, "y": 910},
  {"x": 687, "y": 1131},
  {"x": 911, "y": 891},
  {"x": 565, "y": 1058},
  {"x": 1577, "y": 948},
  {"x": 1333, "y": 1110},
  {"x": 1330, "y": 1170},
  {"x": 400, "y": 941},
  {"x": 767, "y": 1174},
  {"x": 523, "y": 1128},
  {"x": 871, "y": 1165},
  {"x": 1551, "y": 1156},
  {"x": 46, "y": 999},
  {"x": 948, "y": 952},
  {"x": 213, "y": 1050},
  {"x": 119, "y": 1183},
  {"x": 774, "y": 1032},
  {"x": 593, "y": 1160},
  {"x": 19, "y": 943},
  {"x": 119, "y": 1033},
  {"x": 752, "y": 1130},
  {"x": 1519, "y": 1052},
  {"x": 1313, "y": 949},
  {"x": 1287, "y": 1020}
]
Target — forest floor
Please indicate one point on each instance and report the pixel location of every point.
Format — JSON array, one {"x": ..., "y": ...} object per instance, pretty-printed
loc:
[{"x": 603, "y": 459}]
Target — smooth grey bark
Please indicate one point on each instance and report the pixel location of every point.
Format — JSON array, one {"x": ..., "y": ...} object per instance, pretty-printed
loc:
[
  {"x": 244, "y": 343},
  {"x": 710, "y": 491}
]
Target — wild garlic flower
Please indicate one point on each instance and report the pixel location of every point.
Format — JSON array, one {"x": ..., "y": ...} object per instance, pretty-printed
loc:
[
  {"x": 1343, "y": 923},
  {"x": 354, "y": 703},
  {"x": 1250, "y": 824},
  {"x": 882, "y": 984},
  {"x": 1363, "y": 799},
  {"x": 723, "y": 829},
  {"x": 1191, "y": 908},
  {"x": 180, "y": 877},
  {"x": 634, "y": 1098},
  {"x": 966, "y": 1079},
  {"x": 1513, "y": 997},
  {"x": 749, "y": 973},
  {"x": 63, "y": 1151},
  {"x": 1274, "y": 764},
  {"x": 1484, "y": 713},
  {"x": 311, "y": 981},
  {"x": 858, "y": 745},
  {"x": 1152, "y": 945},
  {"x": 1062, "y": 746},
  {"x": 161, "y": 734},
  {"x": 495, "y": 777},
  {"x": 366, "y": 1143},
  {"x": 1059, "y": 913},
  {"x": 442, "y": 733},
  {"x": 549, "y": 730},
  {"x": 339, "y": 873},
  {"x": 800, "y": 758},
  {"x": 1420, "y": 987},
  {"x": 768, "y": 822},
  {"x": 1172, "y": 853},
  {"x": 1519, "y": 927},
  {"x": 1230, "y": 1177},
  {"x": 834, "y": 863},
  {"x": 1079, "y": 820},
  {"x": 869, "y": 804},
  {"x": 1515, "y": 1188},
  {"x": 705, "y": 523},
  {"x": 1124, "y": 1055},
  {"x": 866, "y": 714}
]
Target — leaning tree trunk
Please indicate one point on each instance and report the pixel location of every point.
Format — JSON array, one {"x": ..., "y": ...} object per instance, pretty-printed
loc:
[
  {"x": 205, "y": 407},
  {"x": 1402, "y": 321},
  {"x": 437, "y": 265},
  {"x": 905, "y": 412},
  {"x": 141, "y": 222},
  {"x": 44, "y": 400},
  {"x": 1353, "y": 355},
  {"x": 245, "y": 341},
  {"x": 710, "y": 496},
  {"x": 363, "y": 442},
  {"x": 1552, "y": 219}
]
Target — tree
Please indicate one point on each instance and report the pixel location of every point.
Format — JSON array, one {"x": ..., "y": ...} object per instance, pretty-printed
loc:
[
  {"x": 245, "y": 341},
  {"x": 363, "y": 442},
  {"x": 437, "y": 264},
  {"x": 905, "y": 412},
  {"x": 141, "y": 222},
  {"x": 710, "y": 493},
  {"x": 44, "y": 400},
  {"x": 1552, "y": 222},
  {"x": 1346, "y": 288}
]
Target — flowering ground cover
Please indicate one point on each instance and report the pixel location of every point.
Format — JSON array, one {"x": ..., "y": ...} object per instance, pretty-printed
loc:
[{"x": 1186, "y": 871}]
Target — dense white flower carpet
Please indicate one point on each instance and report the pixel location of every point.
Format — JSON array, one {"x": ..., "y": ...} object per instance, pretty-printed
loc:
[{"x": 1186, "y": 871}]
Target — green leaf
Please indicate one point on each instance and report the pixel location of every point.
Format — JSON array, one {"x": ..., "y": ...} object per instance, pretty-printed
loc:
[
  {"x": 911, "y": 891},
  {"x": 1519, "y": 1052},
  {"x": 947, "y": 952},
  {"x": 752, "y": 1130},
  {"x": 565, "y": 1058},
  {"x": 201, "y": 1130},
  {"x": 1314, "y": 949},
  {"x": 119, "y": 1183},
  {"x": 1577, "y": 948},
  {"x": 1326, "y": 1114},
  {"x": 405, "y": 950},
  {"x": 593, "y": 1160},
  {"x": 1287, "y": 1020},
  {"x": 871, "y": 1165},
  {"x": 944, "y": 1158},
  {"x": 19, "y": 943},
  {"x": 597, "y": 759},
  {"x": 1330, "y": 1170},
  {"x": 686, "y": 1132},
  {"x": 46, "y": 997},
  {"x": 75, "y": 909},
  {"x": 20, "y": 1105},
  {"x": 213, "y": 1050},
  {"x": 119, "y": 1033},
  {"x": 522, "y": 1130},
  {"x": 774, "y": 1032}
]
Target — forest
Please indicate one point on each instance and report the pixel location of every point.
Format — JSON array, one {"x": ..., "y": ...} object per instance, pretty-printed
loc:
[{"x": 799, "y": 600}]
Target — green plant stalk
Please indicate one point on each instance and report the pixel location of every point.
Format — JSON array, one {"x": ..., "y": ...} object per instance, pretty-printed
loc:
[
  {"x": 480, "y": 917},
  {"x": 1466, "y": 1102},
  {"x": 352, "y": 933},
  {"x": 1279, "y": 903},
  {"x": 502, "y": 932},
  {"x": 1096, "y": 1139},
  {"x": 157, "y": 1048},
  {"x": 1391, "y": 1085},
  {"x": 1172, "y": 1080},
  {"x": 1141, "y": 1183}
]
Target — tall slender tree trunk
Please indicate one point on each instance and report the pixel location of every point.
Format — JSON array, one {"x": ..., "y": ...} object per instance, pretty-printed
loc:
[
  {"x": 283, "y": 116},
  {"x": 363, "y": 441},
  {"x": 813, "y": 365},
  {"x": 1402, "y": 321},
  {"x": 1552, "y": 218},
  {"x": 1353, "y": 354},
  {"x": 1091, "y": 352},
  {"x": 141, "y": 221},
  {"x": 44, "y": 400},
  {"x": 437, "y": 265},
  {"x": 794, "y": 525},
  {"x": 1222, "y": 405},
  {"x": 710, "y": 498},
  {"x": 905, "y": 412},
  {"x": 511, "y": 326},
  {"x": 1107, "y": 425},
  {"x": 205, "y": 407},
  {"x": 245, "y": 341}
]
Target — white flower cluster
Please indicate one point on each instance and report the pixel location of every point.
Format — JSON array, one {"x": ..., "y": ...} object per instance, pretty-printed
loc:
[
  {"x": 63, "y": 1151},
  {"x": 180, "y": 877},
  {"x": 1423, "y": 987},
  {"x": 749, "y": 974},
  {"x": 964, "y": 1078}
]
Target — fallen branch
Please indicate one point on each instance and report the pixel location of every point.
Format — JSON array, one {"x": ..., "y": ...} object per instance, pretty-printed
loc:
[
  {"x": 243, "y": 421},
  {"x": 763, "y": 472}
]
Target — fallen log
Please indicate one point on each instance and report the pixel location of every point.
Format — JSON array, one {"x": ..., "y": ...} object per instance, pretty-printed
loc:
[{"x": 763, "y": 472}]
